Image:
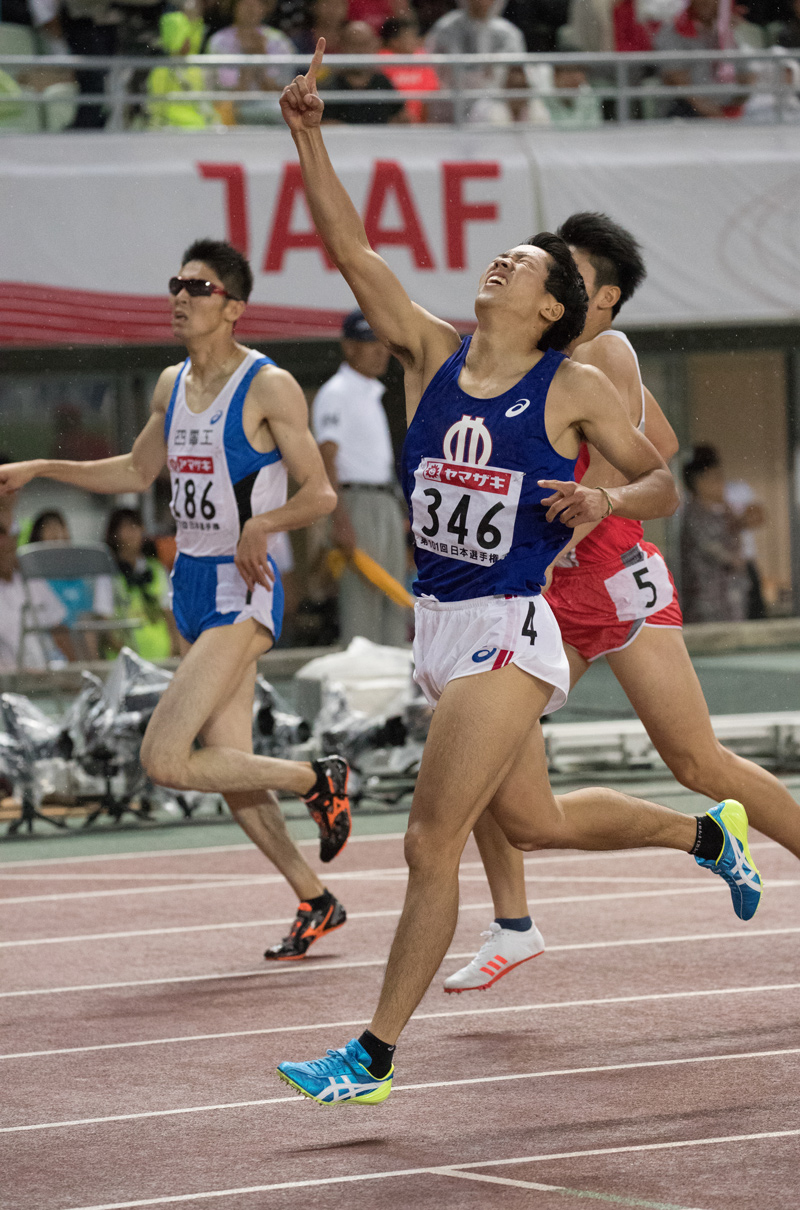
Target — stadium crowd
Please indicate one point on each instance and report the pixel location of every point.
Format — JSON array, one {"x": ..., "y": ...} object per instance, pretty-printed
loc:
[{"x": 389, "y": 27}]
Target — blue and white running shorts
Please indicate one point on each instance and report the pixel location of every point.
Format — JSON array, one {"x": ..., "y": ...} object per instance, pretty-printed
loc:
[{"x": 209, "y": 592}]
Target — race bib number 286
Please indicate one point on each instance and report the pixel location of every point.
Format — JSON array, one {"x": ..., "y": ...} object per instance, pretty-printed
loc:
[{"x": 465, "y": 512}]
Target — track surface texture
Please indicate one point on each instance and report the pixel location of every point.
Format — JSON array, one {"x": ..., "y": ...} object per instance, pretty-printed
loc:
[{"x": 650, "y": 1058}]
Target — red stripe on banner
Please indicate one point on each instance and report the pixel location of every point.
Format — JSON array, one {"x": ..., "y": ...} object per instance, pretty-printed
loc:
[
  {"x": 32, "y": 315},
  {"x": 50, "y": 315}
]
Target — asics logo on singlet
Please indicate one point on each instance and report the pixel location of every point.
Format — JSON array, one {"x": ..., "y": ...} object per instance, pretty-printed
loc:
[
  {"x": 484, "y": 654},
  {"x": 518, "y": 407},
  {"x": 468, "y": 441},
  {"x": 215, "y": 417}
]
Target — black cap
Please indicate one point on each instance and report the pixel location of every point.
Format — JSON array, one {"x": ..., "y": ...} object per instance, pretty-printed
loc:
[{"x": 355, "y": 327}]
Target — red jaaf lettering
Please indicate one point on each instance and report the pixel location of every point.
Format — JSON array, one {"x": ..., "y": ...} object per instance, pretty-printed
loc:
[
  {"x": 389, "y": 178},
  {"x": 235, "y": 201},
  {"x": 458, "y": 212},
  {"x": 283, "y": 239}
]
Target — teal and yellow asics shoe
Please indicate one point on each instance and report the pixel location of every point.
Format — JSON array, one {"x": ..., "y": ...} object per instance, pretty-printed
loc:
[
  {"x": 341, "y": 1078},
  {"x": 734, "y": 863}
]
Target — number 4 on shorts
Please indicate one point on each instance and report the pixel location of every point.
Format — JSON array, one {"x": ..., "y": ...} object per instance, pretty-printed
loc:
[{"x": 527, "y": 626}]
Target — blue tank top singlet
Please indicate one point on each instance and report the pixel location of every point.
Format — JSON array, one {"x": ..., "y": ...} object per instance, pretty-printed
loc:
[{"x": 470, "y": 474}]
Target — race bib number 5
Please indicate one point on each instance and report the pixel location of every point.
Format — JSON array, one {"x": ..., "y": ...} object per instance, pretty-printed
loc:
[
  {"x": 641, "y": 588},
  {"x": 465, "y": 512}
]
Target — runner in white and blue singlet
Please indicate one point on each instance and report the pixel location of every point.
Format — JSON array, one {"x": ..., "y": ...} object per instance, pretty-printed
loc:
[
  {"x": 230, "y": 424},
  {"x": 490, "y": 421}
]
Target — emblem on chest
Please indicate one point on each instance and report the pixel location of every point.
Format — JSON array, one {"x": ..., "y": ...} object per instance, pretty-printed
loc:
[{"x": 468, "y": 441}]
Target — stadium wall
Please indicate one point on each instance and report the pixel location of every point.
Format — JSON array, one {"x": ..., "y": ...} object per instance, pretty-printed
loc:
[{"x": 102, "y": 220}]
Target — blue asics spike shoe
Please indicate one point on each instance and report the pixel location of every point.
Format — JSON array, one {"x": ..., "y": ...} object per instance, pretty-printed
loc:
[
  {"x": 341, "y": 1078},
  {"x": 734, "y": 863}
]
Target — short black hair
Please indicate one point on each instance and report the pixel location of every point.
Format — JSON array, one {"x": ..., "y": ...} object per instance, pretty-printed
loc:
[
  {"x": 50, "y": 514},
  {"x": 119, "y": 515},
  {"x": 703, "y": 458},
  {"x": 565, "y": 283},
  {"x": 615, "y": 255},
  {"x": 230, "y": 266}
]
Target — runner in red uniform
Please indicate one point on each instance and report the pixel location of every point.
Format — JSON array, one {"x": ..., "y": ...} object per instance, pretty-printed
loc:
[{"x": 613, "y": 595}]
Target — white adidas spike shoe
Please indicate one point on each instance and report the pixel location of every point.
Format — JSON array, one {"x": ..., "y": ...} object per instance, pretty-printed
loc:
[{"x": 502, "y": 951}]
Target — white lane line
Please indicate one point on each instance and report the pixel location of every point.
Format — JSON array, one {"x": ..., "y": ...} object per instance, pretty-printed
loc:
[
  {"x": 246, "y": 847},
  {"x": 493, "y": 1079},
  {"x": 589, "y": 1194},
  {"x": 94, "y": 877},
  {"x": 348, "y": 965},
  {"x": 692, "y": 888},
  {"x": 172, "y": 888},
  {"x": 313, "y": 967},
  {"x": 469, "y": 1012},
  {"x": 351, "y": 875},
  {"x": 402, "y": 1172}
]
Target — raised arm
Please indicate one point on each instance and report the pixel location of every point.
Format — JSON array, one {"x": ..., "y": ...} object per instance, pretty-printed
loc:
[
  {"x": 586, "y": 401},
  {"x": 282, "y": 404},
  {"x": 133, "y": 472},
  {"x": 657, "y": 429},
  {"x": 419, "y": 340}
]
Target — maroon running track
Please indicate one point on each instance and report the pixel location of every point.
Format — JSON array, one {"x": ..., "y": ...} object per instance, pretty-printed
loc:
[{"x": 650, "y": 1058}]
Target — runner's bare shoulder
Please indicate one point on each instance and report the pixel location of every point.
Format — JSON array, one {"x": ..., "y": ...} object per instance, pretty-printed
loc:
[
  {"x": 163, "y": 388},
  {"x": 615, "y": 359}
]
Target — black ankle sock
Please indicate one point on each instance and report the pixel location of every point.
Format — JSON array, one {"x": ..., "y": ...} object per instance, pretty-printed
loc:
[
  {"x": 381, "y": 1054},
  {"x": 319, "y": 901},
  {"x": 710, "y": 840},
  {"x": 320, "y": 784},
  {"x": 520, "y": 924}
]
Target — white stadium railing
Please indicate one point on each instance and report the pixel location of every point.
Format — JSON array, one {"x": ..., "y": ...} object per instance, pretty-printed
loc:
[{"x": 630, "y": 81}]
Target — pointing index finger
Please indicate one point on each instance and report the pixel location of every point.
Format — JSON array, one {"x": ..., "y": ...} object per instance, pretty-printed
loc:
[{"x": 316, "y": 63}]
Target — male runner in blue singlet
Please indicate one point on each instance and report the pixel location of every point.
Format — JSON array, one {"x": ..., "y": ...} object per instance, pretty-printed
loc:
[
  {"x": 232, "y": 426},
  {"x": 613, "y": 596},
  {"x": 492, "y": 421}
]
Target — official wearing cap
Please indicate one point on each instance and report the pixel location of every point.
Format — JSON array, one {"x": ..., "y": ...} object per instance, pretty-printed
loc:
[{"x": 353, "y": 433}]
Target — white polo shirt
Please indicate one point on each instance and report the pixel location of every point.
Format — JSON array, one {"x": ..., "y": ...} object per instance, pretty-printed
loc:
[
  {"x": 349, "y": 412},
  {"x": 49, "y": 611}
]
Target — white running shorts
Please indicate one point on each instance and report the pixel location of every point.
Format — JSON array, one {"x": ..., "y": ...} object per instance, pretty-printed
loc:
[{"x": 461, "y": 638}]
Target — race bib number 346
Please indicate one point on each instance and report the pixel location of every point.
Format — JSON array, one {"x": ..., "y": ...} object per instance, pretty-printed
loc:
[{"x": 465, "y": 512}]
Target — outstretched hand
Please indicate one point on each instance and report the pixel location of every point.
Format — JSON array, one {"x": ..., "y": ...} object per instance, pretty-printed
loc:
[
  {"x": 14, "y": 475},
  {"x": 301, "y": 104},
  {"x": 573, "y": 504}
]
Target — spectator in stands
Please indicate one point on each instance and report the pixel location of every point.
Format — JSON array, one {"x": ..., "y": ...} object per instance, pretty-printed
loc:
[
  {"x": 400, "y": 36},
  {"x": 351, "y": 427},
  {"x": 80, "y": 27},
  {"x": 328, "y": 19},
  {"x": 474, "y": 29},
  {"x": 697, "y": 28},
  {"x": 714, "y": 580},
  {"x": 788, "y": 35},
  {"x": 531, "y": 109},
  {"x": 142, "y": 588},
  {"x": 775, "y": 98},
  {"x": 80, "y": 598},
  {"x": 578, "y": 112},
  {"x": 15, "y": 597},
  {"x": 179, "y": 36},
  {"x": 750, "y": 515},
  {"x": 358, "y": 38},
  {"x": 539, "y": 21},
  {"x": 251, "y": 35},
  {"x": 377, "y": 12}
]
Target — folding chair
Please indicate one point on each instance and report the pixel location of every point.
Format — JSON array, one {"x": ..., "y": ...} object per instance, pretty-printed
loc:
[{"x": 67, "y": 561}]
